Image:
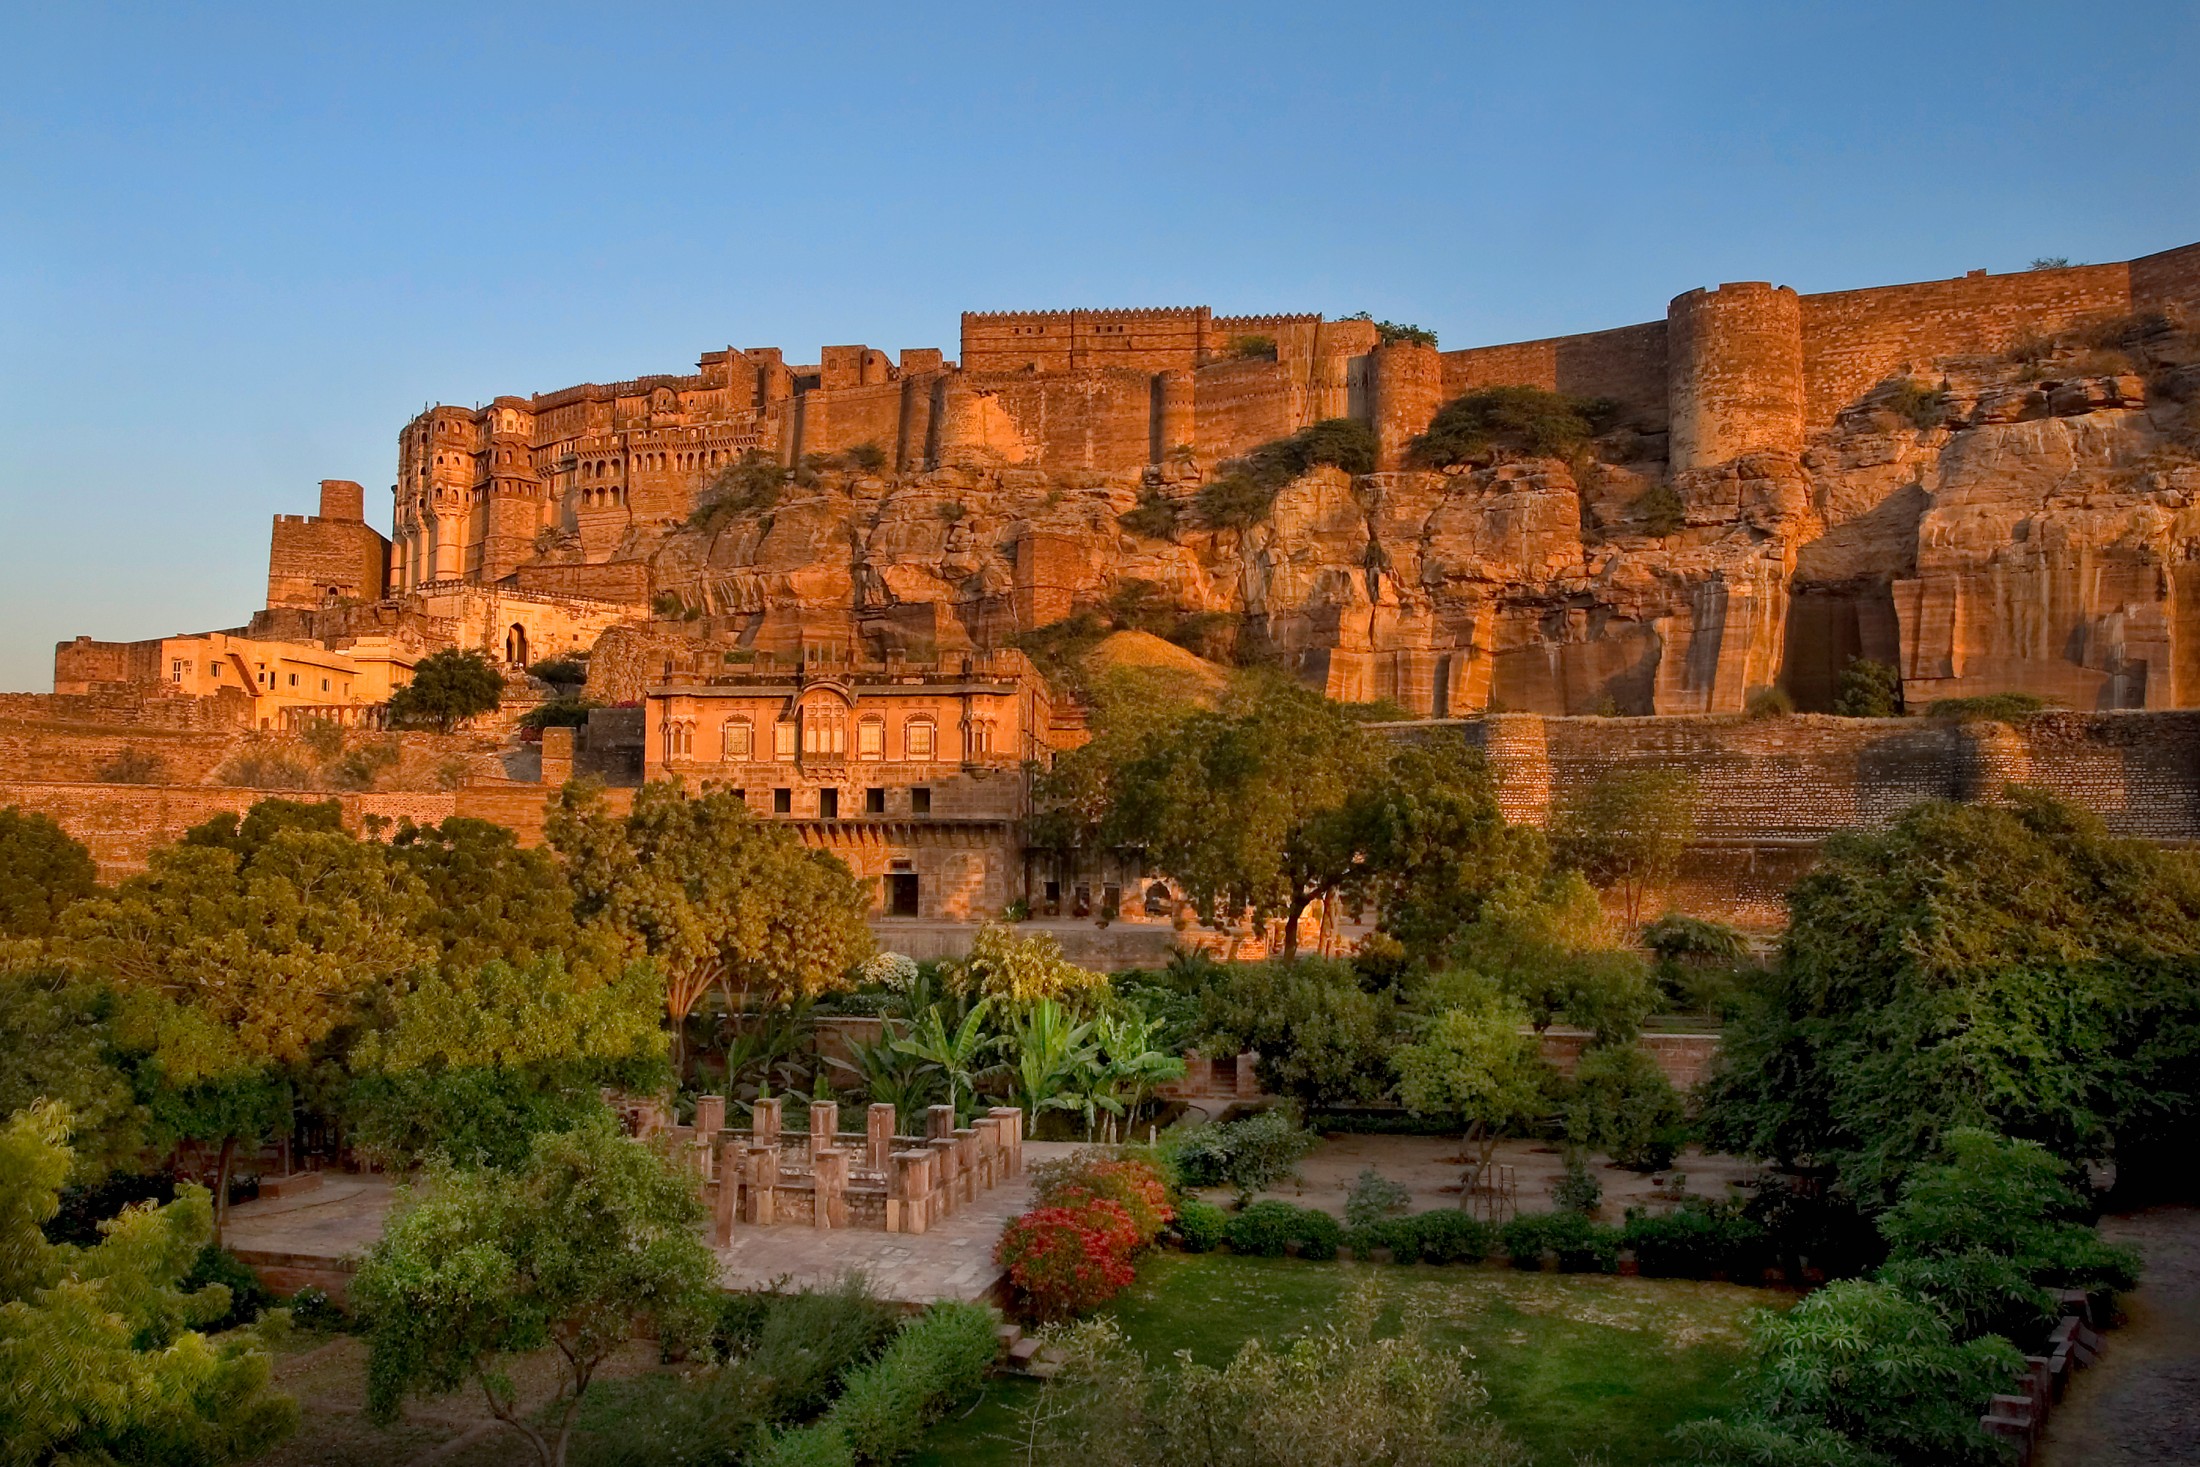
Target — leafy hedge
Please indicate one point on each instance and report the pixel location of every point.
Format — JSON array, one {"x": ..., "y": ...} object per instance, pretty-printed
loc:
[
  {"x": 1267, "y": 1229},
  {"x": 1696, "y": 1242},
  {"x": 1581, "y": 1245},
  {"x": 935, "y": 1362}
]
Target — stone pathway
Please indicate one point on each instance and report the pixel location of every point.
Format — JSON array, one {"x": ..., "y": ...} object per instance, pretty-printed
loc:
[
  {"x": 2140, "y": 1405},
  {"x": 344, "y": 1216}
]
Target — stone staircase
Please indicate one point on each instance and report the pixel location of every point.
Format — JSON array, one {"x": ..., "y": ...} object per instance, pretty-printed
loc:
[{"x": 1028, "y": 1355}]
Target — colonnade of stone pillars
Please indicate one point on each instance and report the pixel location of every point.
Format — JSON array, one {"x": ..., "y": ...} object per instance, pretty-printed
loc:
[{"x": 758, "y": 1178}]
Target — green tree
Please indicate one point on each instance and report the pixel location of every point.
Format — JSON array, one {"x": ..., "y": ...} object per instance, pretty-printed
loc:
[
  {"x": 1859, "y": 1374},
  {"x": 1622, "y": 1105},
  {"x": 473, "y": 1062},
  {"x": 594, "y": 1236},
  {"x": 1471, "y": 1061},
  {"x": 718, "y": 898},
  {"x": 1048, "y": 1051},
  {"x": 1131, "y": 1059},
  {"x": 1435, "y": 845},
  {"x": 1245, "y": 807},
  {"x": 1510, "y": 422},
  {"x": 1868, "y": 689},
  {"x": 1015, "y": 970},
  {"x": 238, "y": 956},
  {"x": 1627, "y": 830},
  {"x": 1322, "y": 1040},
  {"x": 43, "y": 869},
  {"x": 2014, "y": 968},
  {"x": 55, "y": 1044},
  {"x": 491, "y": 899},
  {"x": 1550, "y": 947},
  {"x": 447, "y": 688},
  {"x": 1986, "y": 1234},
  {"x": 98, "y": 1358}
]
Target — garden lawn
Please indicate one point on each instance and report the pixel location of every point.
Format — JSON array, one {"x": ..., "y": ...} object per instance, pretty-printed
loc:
[{"x": 1574, "y": 1363}]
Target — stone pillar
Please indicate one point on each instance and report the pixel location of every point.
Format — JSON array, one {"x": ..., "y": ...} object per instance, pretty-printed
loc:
[
  {"x": 939, "y": 1120},
  {"x": 726, "y": 1208},
  {"x": 557, "y": 755},
  {"x": 829, "y": 1179},
  {"x": 824, "y": 1125},
  {"x": 1248, "y": 1080},
  {"x": 909, "y": 1192},
  {"x": 992, "y": 1152},
  {"x": 943, "y": 1174},
  {"x": 763, "y": 1184},
  {"x": 966, "y": 1164},
  {"x": 764, "y": 1122},
  {"x": 710, "y": 1113},
  {"x": 878, "y": 1125},
  {"x": 1012, "y": 1118}
]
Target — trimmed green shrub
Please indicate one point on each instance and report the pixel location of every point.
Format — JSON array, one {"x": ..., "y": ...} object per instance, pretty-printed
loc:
[
  {"x": 1695, "y": 1241},
  {"x": 1267, "y": 1229},
  {"x": 1581, "y": 1245},
  {"x": 1200, "y": 1226},
  {"x": 1447, "y": 1235}
]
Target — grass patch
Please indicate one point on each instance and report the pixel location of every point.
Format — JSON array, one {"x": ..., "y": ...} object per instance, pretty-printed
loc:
[{"x": 1574, "y": 1363}]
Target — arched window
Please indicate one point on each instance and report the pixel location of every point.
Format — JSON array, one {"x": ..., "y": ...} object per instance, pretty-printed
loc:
[
  {"x": 917, "y": 739},
  {"x": 515, "y": 645},
  {"x": 740, "y": 741},
  {"x": 871, "y": 738}
]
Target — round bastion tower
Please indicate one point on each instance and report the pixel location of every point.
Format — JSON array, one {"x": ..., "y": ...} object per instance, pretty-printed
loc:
[
  {"x": 1408, "y": 382},
  {"x": 1734, "y": 373}
]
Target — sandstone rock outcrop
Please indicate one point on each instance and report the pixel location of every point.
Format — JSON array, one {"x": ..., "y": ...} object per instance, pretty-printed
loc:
[{"x": 1987, "y": 524}]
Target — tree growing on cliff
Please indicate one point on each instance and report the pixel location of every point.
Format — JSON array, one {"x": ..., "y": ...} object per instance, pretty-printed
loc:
[
  {"x": 1627, "y": 831},
  {"x": 595, "y": 1236},
  {"x": 1245, "y": 493},
  {"x": 1868, "y": 689},
  {"x": 716, "y": 897},
  {"x": 1510, "y": 422},
  {"x": 99, "y": 1357},
  {"x": 43, "y": 869},
  {"x": 447, "y": 688}
]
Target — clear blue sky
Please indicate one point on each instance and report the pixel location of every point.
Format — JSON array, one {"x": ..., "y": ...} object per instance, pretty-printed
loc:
[{"x": 240, "y": 246}]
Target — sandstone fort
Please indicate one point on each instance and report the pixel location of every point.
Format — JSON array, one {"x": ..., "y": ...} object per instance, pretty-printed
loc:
[{"x": 1985, "y": 482}]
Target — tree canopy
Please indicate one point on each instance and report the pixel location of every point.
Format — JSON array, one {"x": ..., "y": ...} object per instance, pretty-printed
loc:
[
  {"x": 99, "y": 1360},
  {"x": 1626, "y": 831},
  {"x": 1510, "y": 422},
  {"x": 594, "y": 1234},
  {"x": 716, "y": 897},
  {"x": 447, "y": 688},
  {"x": 2014, "y": 968},
  {"x": 42, "y": 871}
]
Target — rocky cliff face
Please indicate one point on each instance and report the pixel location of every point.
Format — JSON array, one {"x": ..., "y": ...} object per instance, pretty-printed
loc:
[{"x": 2022, "y": 522}]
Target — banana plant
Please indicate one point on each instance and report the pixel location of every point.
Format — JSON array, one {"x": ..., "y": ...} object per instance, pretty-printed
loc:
[
  {"x": 887, "y": 1073},
  {"x": 954, "y": 1050},
  {"x": 1130, "y": 1062},
  {"x": 764, "y": 1049},
  {"x": 1050, "y": 1054}
]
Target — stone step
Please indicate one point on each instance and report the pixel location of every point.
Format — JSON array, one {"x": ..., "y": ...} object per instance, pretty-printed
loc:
[
  {"x": 1008, "y": 1335},
  {"x": 1025, "y": 1350}
]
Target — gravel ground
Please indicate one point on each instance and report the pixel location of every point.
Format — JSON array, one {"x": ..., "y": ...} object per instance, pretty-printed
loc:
[{"x": 2141, "y": 1404}]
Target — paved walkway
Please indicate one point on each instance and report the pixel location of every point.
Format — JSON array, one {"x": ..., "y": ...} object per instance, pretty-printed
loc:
[
  {"x": 344, "y": 1216},
  {"x": 951, "y": 1261},
  {"x": 2140, "y": 1405}
]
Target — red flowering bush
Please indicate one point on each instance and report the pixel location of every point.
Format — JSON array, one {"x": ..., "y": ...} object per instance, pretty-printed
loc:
[
  {"x": 1066, "y": 1260},
  {"x": 1130, "y": 1182}
]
